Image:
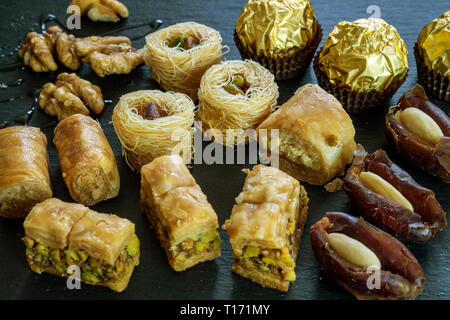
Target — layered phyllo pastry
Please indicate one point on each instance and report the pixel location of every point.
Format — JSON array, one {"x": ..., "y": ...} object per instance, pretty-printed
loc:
[
  {"x": 316, "y": 135},
  {"x": 88, "y": 164},
  {"x": 61, "y": 235},
  {"x": 266, "y": 225},
  {"x": 24, "y": 170},
  {"x": 179, "y": 212}
]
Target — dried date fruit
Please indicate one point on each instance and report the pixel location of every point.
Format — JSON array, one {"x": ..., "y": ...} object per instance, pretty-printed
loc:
[
  {"x": 392, "y": 200},
  {"x": 367, "y": 262},
  {"x": 420, "y": 132}
]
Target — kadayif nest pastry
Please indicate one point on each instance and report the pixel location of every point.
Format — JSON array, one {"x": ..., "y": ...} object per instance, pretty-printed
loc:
[
  {"x": 432, "y": 52},
  {"x": 362, "y": 63},
  {"x": 282, "y": 35}
]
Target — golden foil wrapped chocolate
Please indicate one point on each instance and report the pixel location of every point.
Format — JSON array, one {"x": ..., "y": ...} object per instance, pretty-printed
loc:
[
  {"x": 276, "y": 27},
  {"x": 434, "y": 44},
  {"x": 364, "y": 55}
]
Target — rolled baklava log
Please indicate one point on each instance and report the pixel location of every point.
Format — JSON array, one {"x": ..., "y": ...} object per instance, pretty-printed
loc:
[
  {"x": 266, "y": 226},
  {"x": 316, "y": 135},
  {"x": 178, "y": 210},
  {"x": 59, "y": 235},
  {"x": 24, "y": 170},
  {"x": 88, "y": 164}
]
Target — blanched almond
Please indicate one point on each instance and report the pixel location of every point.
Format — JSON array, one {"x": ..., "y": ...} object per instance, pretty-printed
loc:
[
  {"x": 421, "y": 124},
  {"x": 378, "y": 185},
  {"x": 353, "y": 250}
]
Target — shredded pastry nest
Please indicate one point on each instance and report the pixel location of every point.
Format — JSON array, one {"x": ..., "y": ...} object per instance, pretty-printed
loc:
[
  {"x": 221, "y": 110},
  {"x": 145, "y": 140},
  {"x": 177, "y": 69}
]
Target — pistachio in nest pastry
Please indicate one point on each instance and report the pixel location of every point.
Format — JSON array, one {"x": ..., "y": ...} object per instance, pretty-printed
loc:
[
  {"x": 179, "y": 55},
  {"x": 178, "y": 210},
  {"x": 24, "y": 170},
  {"x": 88, "y": 164},
  {"x": 316, "y": 135},
  {"x": 60, "y": 236},
  {"x": 432, "y": 53},
  {"x": 236, "y": 95},
  {"x": 362, "y": 63},
  {"x": 70, "y": 95},
  {"x": 266, "y": 225},
  {"x": 282, "y": 35},
  {"x": 151, "y": 123}
]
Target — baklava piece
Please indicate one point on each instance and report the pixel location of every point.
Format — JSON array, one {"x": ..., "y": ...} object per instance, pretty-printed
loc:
[
  {"x": 316, "y": 135},
  {"x": 87, "y": 162},
  {"x": 24, "y": 170},
  {"x": 184, "y": 221},
  {"x": 266, "y": 226},
  {"x": 59, "y": 235}
]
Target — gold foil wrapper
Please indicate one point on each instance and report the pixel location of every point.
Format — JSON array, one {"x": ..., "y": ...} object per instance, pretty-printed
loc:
[
  {"x": 364, "y": 55},
  {"x": 434, "y": 44},
  {"x": 276, "y": 27}
]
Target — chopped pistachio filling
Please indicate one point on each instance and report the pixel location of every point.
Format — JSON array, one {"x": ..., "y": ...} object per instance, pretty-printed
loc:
[
  {"x": 93, "y": 270},
  {"x": 238, "y": 85},
  {"x": 278, "y": 261},
  {"x": 207, "y": 242}
]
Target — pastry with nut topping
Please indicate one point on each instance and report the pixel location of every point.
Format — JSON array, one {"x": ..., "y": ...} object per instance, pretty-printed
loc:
[
  {"x": 63, "y": 238},
  {"x": 179, "y": 212},
  {"x": 266, "y": 225}
]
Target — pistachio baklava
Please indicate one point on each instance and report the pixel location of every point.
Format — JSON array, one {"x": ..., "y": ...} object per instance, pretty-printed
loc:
[
  {"x": 266, "y": 225},
  {"x": 60, "y": 235},
  {"x": 179, "y": 212}
]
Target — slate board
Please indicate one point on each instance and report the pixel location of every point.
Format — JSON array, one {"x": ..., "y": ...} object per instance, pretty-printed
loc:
[{"x": 154, "y": 279}]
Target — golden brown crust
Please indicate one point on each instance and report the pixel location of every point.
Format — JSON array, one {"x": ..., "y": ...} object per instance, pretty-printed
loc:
[
  {"x": 24, "y": 170},
  {"x": 316, "y": 135},
  {"x": 103, "y": 236},
  {"x": 177, "y": 209},
  {"x": 87, "y": 161},
  {"x": 270, "y": 215},
  {"x": 52, "y": 220},
  {"x": 70, "y": 228}
]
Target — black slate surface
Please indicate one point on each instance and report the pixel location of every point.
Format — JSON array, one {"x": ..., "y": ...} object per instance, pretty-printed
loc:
[{"x": 154, "y": 279}]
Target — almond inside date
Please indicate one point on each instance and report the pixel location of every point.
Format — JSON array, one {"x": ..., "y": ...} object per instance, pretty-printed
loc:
[
  {"x": 421, "y": 124},
  {"x": 378, "y": 185},
  {"x": 353, "y": 250}
]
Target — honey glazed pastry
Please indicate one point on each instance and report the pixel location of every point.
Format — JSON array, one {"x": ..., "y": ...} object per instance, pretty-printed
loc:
[
  {"x": 266, "y": 226},
  {"x": 60, "y": 236},
  {"x": 316, "y": 135},
  {"x": 88, "y": 164},
  {"x": 24, "y": 170},
  {"x": 179, "y": 212}
]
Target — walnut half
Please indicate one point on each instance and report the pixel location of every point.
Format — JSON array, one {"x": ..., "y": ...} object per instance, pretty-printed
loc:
[
  {"x": 70, "y": 95},
  {"x": 102, "y": 10}
]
